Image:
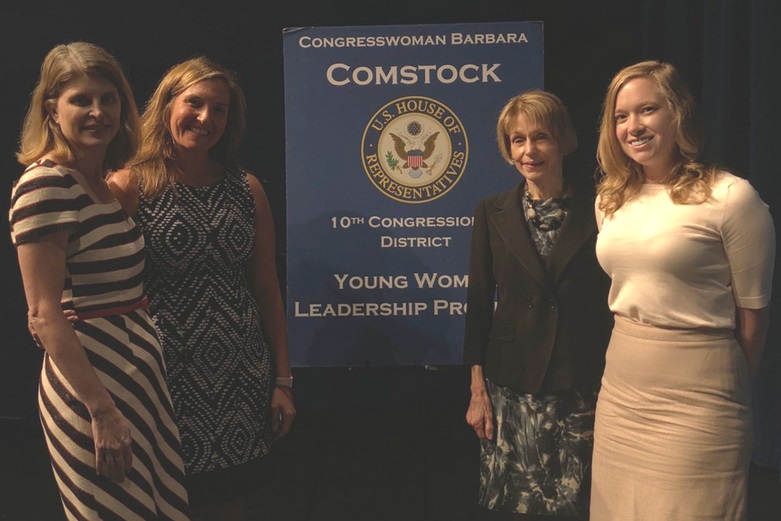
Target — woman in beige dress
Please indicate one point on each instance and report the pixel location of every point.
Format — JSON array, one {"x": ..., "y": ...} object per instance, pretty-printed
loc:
[{"x": 690, "y": 249}]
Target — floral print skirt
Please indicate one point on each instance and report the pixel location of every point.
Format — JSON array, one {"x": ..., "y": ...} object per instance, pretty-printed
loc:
[{"x": 539, "y": 461}]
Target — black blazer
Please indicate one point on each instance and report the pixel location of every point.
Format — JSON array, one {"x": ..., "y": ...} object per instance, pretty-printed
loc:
[{"x": 551, "y": 324}]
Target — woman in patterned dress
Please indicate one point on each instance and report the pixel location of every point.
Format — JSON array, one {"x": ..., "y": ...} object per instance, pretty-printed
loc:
[
  {"x": 212, "y": 283},
  {"x": 537, "y": 324},
  {"x": 690, "y": 250},
  {"x": 104, "y": 405}
]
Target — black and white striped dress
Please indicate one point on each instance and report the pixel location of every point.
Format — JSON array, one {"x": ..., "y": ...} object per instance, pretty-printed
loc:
[{"x": 104, "y": 273}]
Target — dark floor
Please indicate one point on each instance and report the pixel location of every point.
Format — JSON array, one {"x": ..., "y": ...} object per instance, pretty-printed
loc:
[{"x": 367, "y": 446}]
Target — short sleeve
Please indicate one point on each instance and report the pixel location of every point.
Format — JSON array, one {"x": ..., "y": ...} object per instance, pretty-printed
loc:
[
  {"x": 750, "y": 245},
  {"x": 44, "y": 201}
]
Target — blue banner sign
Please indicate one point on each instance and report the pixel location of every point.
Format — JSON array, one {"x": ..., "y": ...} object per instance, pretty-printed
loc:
[{"x": 391, "y": 143}]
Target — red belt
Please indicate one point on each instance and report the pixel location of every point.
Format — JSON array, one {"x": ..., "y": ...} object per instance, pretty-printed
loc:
[{"x": 119, "y": 310}]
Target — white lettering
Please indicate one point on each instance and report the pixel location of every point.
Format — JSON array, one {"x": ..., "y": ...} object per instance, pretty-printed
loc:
[
  {"x": 490, "y": 72},
  {"x": 359, "y": 309},
  {"x": 487, "y": 38},
  {"x": 329, "y": 74},
  {"x": 414, "y": 242},
  {"x": 340, "y": 74},
  {"x": 449, "y": 308},
  {"x": 371, "y": 281},
  {"x": 429, "y": 280}
]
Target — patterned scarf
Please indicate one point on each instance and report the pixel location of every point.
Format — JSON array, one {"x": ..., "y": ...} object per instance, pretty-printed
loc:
[{"x": 544, "y": 218}]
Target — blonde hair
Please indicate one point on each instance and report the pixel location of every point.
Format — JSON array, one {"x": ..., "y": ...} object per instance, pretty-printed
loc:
[
  {"x": 41, "y": 134},
  {"x": 540, "y": 108},
  {"x": 155, "y": 162},
  {"x": 621, "y": 177}
]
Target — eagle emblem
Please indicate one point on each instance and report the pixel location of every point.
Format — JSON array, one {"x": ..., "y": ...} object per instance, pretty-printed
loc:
[
  {"x": 414, "y": 157},
  {"x": 414, "y": 149}
]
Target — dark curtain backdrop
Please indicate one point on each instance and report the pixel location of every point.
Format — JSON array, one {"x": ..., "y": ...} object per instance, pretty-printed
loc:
[{"x": 727, "y": 49}]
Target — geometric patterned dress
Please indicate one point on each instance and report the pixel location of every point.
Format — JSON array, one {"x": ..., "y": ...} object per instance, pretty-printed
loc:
[
  {"x": 104, "y": 266},
  {"x": 199, "y": 245}
]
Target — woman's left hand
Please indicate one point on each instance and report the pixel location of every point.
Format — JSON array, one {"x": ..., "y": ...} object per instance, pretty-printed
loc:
[{"x": 282, "y": 410}]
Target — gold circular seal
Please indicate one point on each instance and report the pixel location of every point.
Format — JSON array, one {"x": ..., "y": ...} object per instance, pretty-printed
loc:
[{"x": 414, "y": 149}]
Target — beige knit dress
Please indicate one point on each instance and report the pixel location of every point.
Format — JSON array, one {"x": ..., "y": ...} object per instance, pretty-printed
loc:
[{"x": 673, "y": 423}]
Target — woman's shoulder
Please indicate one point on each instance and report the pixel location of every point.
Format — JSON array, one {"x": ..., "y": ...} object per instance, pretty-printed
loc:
[
  {"x": 46, "y": 199},
  {"x": 728, "y": 186},
  {"x": 724, "y": 179},
  {"x": 126, "y": 187},
  {"x": 245, "y": 186},
  {"x": 237, "y": 176},
  {"x": 236, "y": 171},
  {"x": 43, "y": 169},
  {"x": 43, "y": 176},
  {"x": 242, "y": 176},
  {"x": 736, "y": 200},
  {"x": 124, "y": 177},
  {"x": 124, "y": 181}
]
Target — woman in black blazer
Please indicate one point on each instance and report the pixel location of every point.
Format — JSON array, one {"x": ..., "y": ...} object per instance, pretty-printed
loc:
[{"x": 537, "y": 322}]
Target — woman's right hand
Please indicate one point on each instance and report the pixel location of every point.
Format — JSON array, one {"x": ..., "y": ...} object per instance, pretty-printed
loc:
[
  {"x": 113, "y": 445},
  {"x": 480, "y": 413},
  {"x": 42, "y": 264}
]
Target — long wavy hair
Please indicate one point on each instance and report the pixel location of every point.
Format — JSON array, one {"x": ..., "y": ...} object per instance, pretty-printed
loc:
[
  {"x": 620, "y": 178},
  {"x": 542, "y": 109},
  {"x": 155, "y": 163},
  {"x": 41, "y": 135}
]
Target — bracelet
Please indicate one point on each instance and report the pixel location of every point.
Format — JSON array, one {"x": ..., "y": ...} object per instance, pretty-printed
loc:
[{"x": 284, "y": 381}]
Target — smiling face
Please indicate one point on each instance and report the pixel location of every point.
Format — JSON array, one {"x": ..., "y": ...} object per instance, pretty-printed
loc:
[
  {"x": 199, "y": 115},
  {"x": 644, "y": 125},
  {"x": 88, "y": 113},
  {"x": 535, "y": 153}
]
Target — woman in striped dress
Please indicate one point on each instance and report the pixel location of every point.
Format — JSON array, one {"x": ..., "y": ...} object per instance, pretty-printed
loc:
[{"x": 104, "y": 404}]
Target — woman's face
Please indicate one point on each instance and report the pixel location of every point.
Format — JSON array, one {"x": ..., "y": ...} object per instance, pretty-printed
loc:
[
  {"x": 535, "y": 152},
  {"x": 645, "y": 128},
  {"x": 88, "y": 112},
  {"x": 199, "y": 115}
]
